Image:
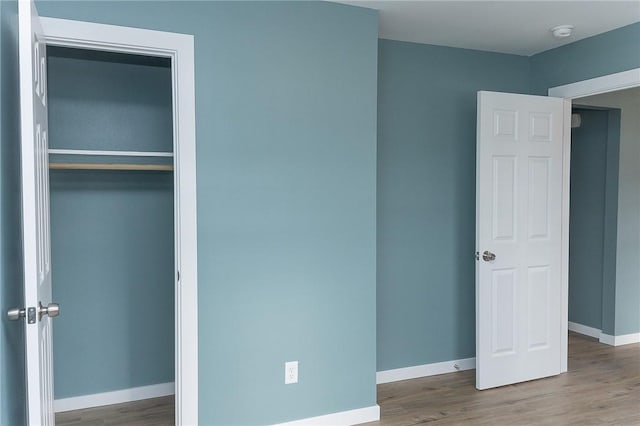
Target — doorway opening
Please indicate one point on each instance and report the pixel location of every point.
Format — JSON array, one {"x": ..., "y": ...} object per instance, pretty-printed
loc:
[
  {"x": 593, "y": 214},
  {"x": 112, "y": 228},
  {"x": 578, "y": 92},
  {"x": 604, "y": 230}
]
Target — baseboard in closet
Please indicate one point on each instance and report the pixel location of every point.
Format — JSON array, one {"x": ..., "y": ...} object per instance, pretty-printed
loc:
[{"x": 113, "y": 397}]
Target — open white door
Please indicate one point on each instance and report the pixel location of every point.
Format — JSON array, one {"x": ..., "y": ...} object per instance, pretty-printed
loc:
[
  {"x": 519, "y": 280},
  {"x": 35, "y": 216}
]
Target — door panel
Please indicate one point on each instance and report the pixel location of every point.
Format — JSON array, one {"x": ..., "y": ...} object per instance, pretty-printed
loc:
[
  {"x": 503, "y": 212},
  {"x": 519, "y": 214},
  {"x": 503, "y": 291},
  {"x": 538, "y": 216},
  {"x": 538, "y": 299},
  {"x": 35, "y": 215}
]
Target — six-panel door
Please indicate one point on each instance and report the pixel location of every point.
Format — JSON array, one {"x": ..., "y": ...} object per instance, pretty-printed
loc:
[{"x": 519, "y": 213}]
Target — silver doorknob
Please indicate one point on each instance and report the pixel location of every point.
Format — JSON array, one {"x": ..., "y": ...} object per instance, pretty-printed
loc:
[
  {"x": 487, "y": 256},
  {"x": 52, "y": 309},
  {"x": 14, "y": 314}
]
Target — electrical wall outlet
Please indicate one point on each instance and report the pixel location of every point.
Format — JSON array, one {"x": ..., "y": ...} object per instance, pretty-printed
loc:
[{"x": 290, "y": 372}]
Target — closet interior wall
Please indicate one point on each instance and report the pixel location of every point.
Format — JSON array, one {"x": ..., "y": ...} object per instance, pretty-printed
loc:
[{"x": 112, "y": 231}]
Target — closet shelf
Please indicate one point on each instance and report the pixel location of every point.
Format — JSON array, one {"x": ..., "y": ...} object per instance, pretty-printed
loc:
[
  {"x": 110, "y": 153},
  {"x": 62, "y": 165},
  {"x": 105, "y": 166}
]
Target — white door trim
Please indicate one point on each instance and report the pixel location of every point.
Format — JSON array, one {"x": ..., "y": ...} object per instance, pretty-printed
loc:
[
  {"x": 594, "y": 86},
  {"x": 180, "y": 49},
  {"x": 564, "y": 237}
]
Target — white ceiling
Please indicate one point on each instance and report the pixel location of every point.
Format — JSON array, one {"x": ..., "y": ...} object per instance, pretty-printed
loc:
[{"x": 517, "y": 27}]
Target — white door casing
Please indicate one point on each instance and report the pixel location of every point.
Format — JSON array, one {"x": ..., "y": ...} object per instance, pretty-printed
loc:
[
  {"x": 180, "y": 49},
  {"x": 519, "y": 215},
  {"x": 35, "y": 214}
]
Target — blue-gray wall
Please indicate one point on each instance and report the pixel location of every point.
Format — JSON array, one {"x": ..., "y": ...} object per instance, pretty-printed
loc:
[
  {"x": 592, "y": 232},
  {"x": 12, "y": 406},
  {"x": 111, "y": 232},
  {"x": 286, "y": 127},
  {"x": 426, "y": 196},
  {"x": 607, "y": 53}
]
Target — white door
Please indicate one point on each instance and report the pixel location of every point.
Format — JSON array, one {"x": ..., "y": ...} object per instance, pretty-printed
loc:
[
  {"x": 35, "y": 216},
  {"x": 518, "y": 238}
]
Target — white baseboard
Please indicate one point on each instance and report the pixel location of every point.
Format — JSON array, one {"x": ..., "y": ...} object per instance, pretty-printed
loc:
[
  {"x": 585, "y": 329},
  {"x": 607, "y": 339},
  {"x": 625, "y": 339},
  {"x": 114, "y": 397},
  {"x": 343, "y": 418},
  {"x": 425, "y": 370}
]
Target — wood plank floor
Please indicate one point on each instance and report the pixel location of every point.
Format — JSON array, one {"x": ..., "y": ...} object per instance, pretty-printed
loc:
[
  {"x": 602, "y": 387},
  {"x": 155, "y": 411}
]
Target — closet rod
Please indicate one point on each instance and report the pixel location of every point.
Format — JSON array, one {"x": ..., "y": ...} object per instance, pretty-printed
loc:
[
  {"x": 110, "y": 153},
  {"x": 95, "y": 166}
]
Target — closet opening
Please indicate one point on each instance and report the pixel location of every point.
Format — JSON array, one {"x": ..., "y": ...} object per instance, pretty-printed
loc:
[{"x": 113, "y": 232}]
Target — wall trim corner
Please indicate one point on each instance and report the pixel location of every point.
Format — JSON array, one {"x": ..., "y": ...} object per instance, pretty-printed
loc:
[
  {"x": 585, "y": 329},
  {"x": 625, "y": 339}
]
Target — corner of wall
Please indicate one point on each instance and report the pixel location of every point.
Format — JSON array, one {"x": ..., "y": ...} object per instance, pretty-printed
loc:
[{"x": 611, "y": 221}]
